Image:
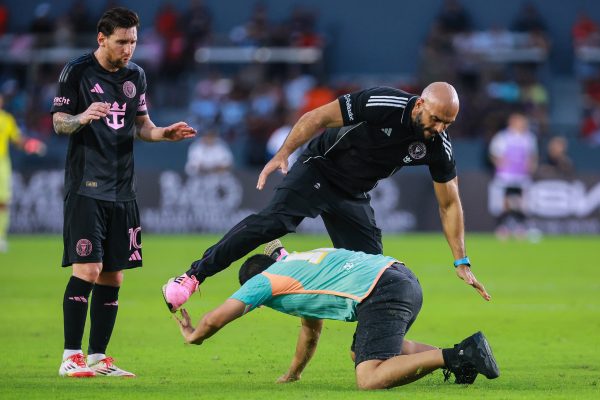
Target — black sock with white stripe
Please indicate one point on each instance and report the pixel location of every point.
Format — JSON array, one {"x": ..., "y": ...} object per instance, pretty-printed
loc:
[
  {"x": 103, "y": 314},
  {"x": 75, "y": 306}
]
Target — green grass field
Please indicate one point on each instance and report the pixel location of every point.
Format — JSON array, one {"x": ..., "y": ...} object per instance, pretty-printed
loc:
[{"x": 543, "y": 323}]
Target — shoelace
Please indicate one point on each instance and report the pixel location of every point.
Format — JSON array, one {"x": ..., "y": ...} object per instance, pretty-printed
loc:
[
  {"x": 447, "y": 374},
  {"x": 79, "y": 360},
  {"x": 190, "y": 283},
  {"x": 108, "y": 361}
]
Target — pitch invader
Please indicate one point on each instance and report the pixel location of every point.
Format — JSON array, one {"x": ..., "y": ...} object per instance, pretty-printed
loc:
[{"x": 101, "y": 106}]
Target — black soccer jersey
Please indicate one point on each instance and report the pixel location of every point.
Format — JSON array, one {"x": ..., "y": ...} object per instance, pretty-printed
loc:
[
  {"x": 377, "y": 140},
  {"x": 100, "y": 155}
]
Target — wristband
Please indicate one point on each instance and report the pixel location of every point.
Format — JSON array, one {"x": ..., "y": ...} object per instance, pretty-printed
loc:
[{"x": 461, "y": 261}]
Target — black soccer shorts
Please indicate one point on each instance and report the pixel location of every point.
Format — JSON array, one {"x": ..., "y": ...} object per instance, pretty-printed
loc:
[
  {"x": 102, "y": 231},
  {"x": 386, "y": 315}
]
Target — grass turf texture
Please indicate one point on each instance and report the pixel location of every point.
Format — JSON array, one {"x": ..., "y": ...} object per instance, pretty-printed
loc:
[{"x": 543, "y": 323}]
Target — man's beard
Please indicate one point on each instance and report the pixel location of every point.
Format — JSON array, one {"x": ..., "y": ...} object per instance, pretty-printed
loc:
[
  {"x": 117, "y": 63},
  {"x": 419, "y": 128}
]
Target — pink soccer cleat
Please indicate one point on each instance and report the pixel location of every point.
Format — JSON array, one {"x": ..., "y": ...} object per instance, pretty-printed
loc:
[{"x": 178, "y": 290}]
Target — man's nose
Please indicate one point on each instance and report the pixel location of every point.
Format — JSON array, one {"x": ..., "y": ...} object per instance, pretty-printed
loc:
[{"x": 439, "y": 127}]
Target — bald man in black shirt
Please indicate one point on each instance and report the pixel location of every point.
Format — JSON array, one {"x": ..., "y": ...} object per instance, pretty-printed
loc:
[
  {"x": 101, "y": 106},
  {"x": 369, "y": 135}
]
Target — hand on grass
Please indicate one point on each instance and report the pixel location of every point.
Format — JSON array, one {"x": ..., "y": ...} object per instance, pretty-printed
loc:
[
  {"x": 288, "y": 378},
  {"x": 185, "y": 324}
]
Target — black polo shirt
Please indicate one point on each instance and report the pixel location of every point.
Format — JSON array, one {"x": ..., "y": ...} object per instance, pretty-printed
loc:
[
  {"x": 100, "y": 155},
  {"x": 376, "y": 141}
]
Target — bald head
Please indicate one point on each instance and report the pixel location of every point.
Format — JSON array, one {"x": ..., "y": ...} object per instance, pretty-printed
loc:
[
  {"x": 443, "y": 97},
  {"x": 436, "y": 109}
]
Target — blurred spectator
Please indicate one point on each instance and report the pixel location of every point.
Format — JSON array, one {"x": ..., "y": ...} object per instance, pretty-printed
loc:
[
  {"x": 254, "y": 32},
  {"x": 3, "y": 18},
  {"x": 10, "y": 133},
  {"x": 303, "y": 28},
  {"x": 533, "y": 98},
  {"x": 265, "y": 99},
  {"x": 204, "y": 106},
  {"x": 557, "y": 164},
  {"x": 197, "y": 28},
  {"x": 317, "y": 96},
  {"x": 453, "y": 18},
  {"x": 79, "y": 19},
  {"x": 168, "y": 27},
  {"x": 208, "y": 154},
  {"x": 585, "y": 31},
  {"x": 296, "y": 86},
  {"x": 514, "y": 153},
  {"x": 590, "y": 129},
  {"x": 586, "y": 35},
  {"x": 197, "y": 22},
  {"x": 529, "y": 20},
  {"x": 42, "y": 25}
]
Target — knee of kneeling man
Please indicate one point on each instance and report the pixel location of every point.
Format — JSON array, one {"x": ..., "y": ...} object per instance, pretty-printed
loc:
[{"x": 368, "y": 383}]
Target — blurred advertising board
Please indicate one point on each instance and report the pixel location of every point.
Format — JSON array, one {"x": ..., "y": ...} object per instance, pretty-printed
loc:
[{"x": 171, "y": 202}]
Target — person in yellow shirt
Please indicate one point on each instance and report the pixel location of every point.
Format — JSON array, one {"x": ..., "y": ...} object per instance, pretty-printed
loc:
[{"x": 10, "y": 133}]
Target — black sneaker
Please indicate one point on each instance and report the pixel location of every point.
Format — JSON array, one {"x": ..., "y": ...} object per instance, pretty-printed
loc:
[{"x": 475, "y": 353}]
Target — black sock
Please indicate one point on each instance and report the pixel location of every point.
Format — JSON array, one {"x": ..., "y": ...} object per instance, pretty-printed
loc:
[
  {"x": 75, "y": 305},
  {"x": 450, "y": 358},
  {"x": 103, "y": 314}
]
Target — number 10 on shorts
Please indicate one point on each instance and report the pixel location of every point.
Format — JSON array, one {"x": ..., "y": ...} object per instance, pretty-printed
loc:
[{"x": 134, "y": 234}]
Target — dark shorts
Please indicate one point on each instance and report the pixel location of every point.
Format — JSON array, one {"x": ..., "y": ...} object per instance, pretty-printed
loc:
[
  {"x": 387, "y": 314},
  {"x": 101, "y": 231}
]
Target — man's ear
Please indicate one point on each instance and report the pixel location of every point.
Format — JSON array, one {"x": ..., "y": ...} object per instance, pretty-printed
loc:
[{"x": 101, "y": 39}]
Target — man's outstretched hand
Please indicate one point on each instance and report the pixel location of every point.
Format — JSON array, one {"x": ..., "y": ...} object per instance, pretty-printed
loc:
[
  {"x": 277, "y": 162},
  {"x": 465, "y": 273}
]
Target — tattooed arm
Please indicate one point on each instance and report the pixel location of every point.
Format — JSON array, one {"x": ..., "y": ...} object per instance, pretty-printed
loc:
[{"x": 67, "y": 124}]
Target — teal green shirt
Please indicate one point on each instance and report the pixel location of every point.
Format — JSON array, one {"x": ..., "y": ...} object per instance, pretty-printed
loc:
[{"x": 322, "y": 283}]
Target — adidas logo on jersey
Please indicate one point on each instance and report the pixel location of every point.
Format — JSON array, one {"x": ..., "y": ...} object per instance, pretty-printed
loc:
[
  {"x": 97, "y": 89},
  {"x": 387, "y": 131}
]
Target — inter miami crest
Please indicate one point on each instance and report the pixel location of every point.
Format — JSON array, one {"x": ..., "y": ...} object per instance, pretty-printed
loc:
[
  {"x": 417, "y": 150},
  {"x": 83, "y": 247}
]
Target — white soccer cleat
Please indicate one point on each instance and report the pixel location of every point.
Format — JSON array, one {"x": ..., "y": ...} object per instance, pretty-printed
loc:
[
  {"x": 105, "y": 367},
  {"x": 75, "y": 367}
]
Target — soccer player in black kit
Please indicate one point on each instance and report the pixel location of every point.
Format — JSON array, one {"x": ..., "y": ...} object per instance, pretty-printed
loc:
[
  {"x": 369, "y": 135},
  {"x": 101, "y": 105}
]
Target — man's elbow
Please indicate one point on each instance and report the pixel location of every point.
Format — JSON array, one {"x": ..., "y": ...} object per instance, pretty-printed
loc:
[{"x": 55, "y": 124}]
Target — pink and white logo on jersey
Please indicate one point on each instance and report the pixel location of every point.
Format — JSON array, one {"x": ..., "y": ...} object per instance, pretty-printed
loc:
[
  {"x": 142, "y": 104},
  {"x": 129, "y": 89},
  {"x": 61, "y": 101},
  {"x": 116, "y": 117},
  {"x": 97, "y": 89}
]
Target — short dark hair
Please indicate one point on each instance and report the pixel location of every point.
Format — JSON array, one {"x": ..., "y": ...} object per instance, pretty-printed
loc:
[
  {"x": 118, "y": 17},
  {"x": 254, "y": 265}
]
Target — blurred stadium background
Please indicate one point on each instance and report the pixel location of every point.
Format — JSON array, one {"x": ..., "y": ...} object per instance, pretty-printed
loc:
[{"x": 242, "y": 70}]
